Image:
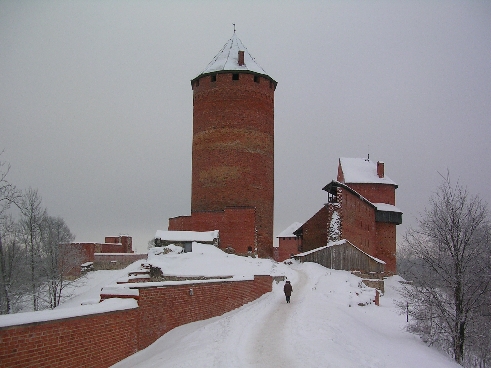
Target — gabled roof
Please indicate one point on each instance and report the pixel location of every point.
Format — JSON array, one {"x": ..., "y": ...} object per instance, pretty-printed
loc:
[
  {"x": 288, "y": 232},
  {"x": 362, "y": 170},
  {"x": 227, "y": 59},
  {"x": 333, "y": 185}
]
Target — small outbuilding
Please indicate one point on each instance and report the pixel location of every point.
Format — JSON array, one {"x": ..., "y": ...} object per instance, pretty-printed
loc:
[{"x": 288, "y": 243}]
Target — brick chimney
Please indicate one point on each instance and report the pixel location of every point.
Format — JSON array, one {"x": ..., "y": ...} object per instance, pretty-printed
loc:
[
  {"x": 380, "y": 169},
  {"x": 241, "y": 58}
]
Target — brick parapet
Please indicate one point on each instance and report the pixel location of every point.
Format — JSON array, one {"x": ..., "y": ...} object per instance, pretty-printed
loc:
[
  {"x": 101, "y": 340},
  {"x": 87, "y": 341}
]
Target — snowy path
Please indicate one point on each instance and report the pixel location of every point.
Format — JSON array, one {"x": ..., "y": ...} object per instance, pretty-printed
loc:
[
  {"x": 267, "y": 346},
  {"x": 322, "y": 327}
]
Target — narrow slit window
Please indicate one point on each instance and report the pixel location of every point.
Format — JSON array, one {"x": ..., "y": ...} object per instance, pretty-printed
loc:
[
  {"x": 256, "y": 78},
  {"x": 214, "y": 78},
  {"x": 235, "y": 76}
]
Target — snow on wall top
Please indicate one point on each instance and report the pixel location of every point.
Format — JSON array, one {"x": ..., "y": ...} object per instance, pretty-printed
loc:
[
  {"x": 386, "y": 207},
  {"x": 228, "y": 59},
  {"x": 206, "y": 236},
  {"x": 288, "y": 232},
  {"x": 109, "y": 305},
  {"x": 362, "y": 170}
]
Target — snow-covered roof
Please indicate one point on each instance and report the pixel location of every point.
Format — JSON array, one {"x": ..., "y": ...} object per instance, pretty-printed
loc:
[
  {"x": 387, "y": 207},
  {"x": 206, "y": 236},
  {"x": 362, "y": 170},
  {"x": 288, "y": 232},
  {"x": 228, "y": 59}
]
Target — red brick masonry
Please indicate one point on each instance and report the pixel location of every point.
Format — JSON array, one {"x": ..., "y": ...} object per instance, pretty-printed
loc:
[{"x": 101, "y": 340}]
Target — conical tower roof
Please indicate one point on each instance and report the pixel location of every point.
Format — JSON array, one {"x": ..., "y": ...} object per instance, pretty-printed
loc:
[{"x": 228, "y": 60}]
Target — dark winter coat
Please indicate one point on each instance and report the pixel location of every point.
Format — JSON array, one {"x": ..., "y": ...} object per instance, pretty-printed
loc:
[{"x": 288, "y": 289}]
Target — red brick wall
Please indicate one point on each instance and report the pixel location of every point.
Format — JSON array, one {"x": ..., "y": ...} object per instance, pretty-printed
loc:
[
  {"x": 376, "y": 193},
  {"x": 75, "y": 254},
  {"x": 358, "y": 222},
  {"x": 233, "y": 149},
  {"x": 90, "y": 341},
  {"x": 163, "y": 309},
  {"x": 315, "y": 230},
  {"x": 386, "y": 245},
  {"x": 104, "y": 339},
  {"x": 236, "y": 226},
  {"x": 86, "y": 250},
  {"x": 287, "y": 247},
  {"x": 112, "y": 248},
  {"x": 126, "y": 241}
]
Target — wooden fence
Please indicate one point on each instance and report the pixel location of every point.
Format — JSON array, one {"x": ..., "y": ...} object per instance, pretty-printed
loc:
[{"x": 343, "y": 255}]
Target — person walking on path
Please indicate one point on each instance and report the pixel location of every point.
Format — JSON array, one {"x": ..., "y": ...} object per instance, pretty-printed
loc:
[{"x": 288, "y": 291}]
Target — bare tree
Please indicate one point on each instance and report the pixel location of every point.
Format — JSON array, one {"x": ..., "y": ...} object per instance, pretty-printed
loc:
[
  {"x": 8, "y": 193},
  {"x": 32, "y": 217},
  {"x": 12, "y": 266},
  {"x": 9, "y": 251},
  {"x": 448, "y": 260},
  {"x": 59, "y": 257}
]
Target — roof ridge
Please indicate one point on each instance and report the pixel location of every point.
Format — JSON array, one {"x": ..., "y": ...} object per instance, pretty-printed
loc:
[{"x": 226, "y": 60}]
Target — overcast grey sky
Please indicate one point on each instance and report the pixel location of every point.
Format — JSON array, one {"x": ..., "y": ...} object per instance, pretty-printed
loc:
[{"x": 96, "y": 102}]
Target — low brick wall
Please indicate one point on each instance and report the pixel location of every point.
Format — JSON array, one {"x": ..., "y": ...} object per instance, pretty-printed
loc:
[
  {"x": 101, "y": 340},
  {"x": 88, "y": 341},
  {"x": 115, "y": 261},
  {"x": 163, "y": 309},
  {"x": 118, "y": 257}
]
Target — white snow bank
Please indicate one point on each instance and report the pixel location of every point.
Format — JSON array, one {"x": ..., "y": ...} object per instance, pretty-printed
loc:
[
  {"x": 88, "y": 288},
  {"x": 322, "y": 327},
  {"x": 208, "y": 260},
  {"x": 109, "y": 305}
]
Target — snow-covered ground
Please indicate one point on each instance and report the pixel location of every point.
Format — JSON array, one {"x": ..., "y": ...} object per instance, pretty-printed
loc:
[{"x": 323, "y": 326}]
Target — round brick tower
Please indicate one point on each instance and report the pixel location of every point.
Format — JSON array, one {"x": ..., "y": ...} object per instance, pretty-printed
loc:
[{"x": 233, "y": 139}]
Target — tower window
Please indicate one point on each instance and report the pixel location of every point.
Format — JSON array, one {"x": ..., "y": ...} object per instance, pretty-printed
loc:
[
  {"x": 197, "y": 83},
  {"x": 256, "y": 78},
  {"x": 214, "y": 78},
  {"x": 235, "y": 76}
]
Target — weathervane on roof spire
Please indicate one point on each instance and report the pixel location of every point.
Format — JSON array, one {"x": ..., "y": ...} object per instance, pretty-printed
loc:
[{"x": 234, "y": 27}]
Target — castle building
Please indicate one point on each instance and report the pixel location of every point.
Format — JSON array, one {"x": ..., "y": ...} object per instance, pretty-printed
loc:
[
  {"x": 233, "y": 152},
  {"x": 288, "y": 243},
  {"x": 360, "y": 208}
]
